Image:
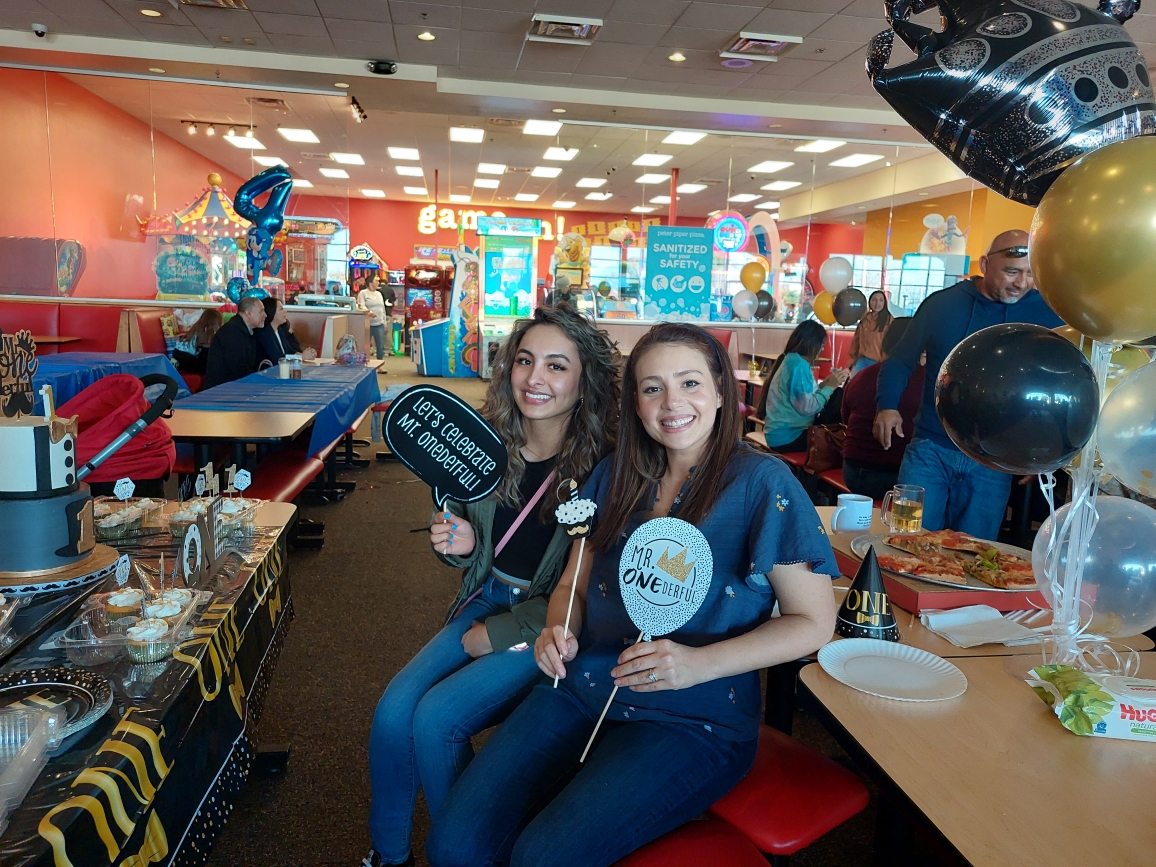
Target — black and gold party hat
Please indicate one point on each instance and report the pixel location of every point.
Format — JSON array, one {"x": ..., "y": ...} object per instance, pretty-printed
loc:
[{"x": 866, "y": 610}]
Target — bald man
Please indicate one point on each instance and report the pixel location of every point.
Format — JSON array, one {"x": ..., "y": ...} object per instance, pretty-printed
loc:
[{"x": 959, "y": 493}]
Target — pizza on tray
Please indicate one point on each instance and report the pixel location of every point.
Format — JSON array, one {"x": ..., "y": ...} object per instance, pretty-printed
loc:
[
  {"x": 929, "y": 555},
  {"x": 927, "y": 566},
  {"x": 998, "y": 569}
]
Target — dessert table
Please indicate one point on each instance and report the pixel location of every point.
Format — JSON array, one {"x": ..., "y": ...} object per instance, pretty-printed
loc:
[
  {"x": 153, "y": 780},
  {"x": 70, "y": 373},
  {"x": 995, "y": 773}
]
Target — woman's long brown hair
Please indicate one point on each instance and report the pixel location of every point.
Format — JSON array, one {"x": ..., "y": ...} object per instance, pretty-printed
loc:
[{"x": 640, "y": 462}]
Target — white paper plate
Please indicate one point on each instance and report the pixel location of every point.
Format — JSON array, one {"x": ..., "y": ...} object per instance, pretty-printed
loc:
[
  {"x": 860, "y": 544},
  {"x": 891, "y": 670}
]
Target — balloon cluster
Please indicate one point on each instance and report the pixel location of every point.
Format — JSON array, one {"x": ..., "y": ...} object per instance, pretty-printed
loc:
[
  {"x": 267, "y": 220},
  {"x": 752, "y": 301},
  {"x": 839, "y": 302}
]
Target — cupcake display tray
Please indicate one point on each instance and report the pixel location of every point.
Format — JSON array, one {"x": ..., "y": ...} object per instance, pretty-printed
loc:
[{"x": 98, "y": 636}]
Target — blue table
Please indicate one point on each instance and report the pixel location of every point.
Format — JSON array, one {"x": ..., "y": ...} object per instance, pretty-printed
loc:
[
  {"x": 335, "y": 394},
  {"x": 70, "y": 373}
]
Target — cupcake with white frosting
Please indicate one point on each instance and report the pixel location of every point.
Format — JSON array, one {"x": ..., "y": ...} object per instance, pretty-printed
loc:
[
  {"x": 150, "y": 640},
  {"x": 121, "y": 603}
]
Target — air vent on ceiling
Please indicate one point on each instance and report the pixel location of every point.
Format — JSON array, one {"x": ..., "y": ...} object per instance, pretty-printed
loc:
[
  {"x": 217, "y": 4},
  {"x": 504, "y": 121},
  {"x": 316, "y": 156},
  {"x": 267, "y": 102},
  {"x": 567, "y": 29},
  {"x": 760, "y": 46},
  {"x": 513, "y": 169}
]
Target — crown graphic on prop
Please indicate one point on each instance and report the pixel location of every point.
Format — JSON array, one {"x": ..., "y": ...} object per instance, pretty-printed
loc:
[
  {"x": 866, "y": 611},
  {"x": 675, "y": 567}
]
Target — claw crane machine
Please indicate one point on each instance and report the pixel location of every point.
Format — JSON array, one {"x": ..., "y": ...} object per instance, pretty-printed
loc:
[{"x": 509, "y": 276}]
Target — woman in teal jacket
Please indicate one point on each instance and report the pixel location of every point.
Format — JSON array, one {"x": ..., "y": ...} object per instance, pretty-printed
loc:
[{"x": 790, "y": 398}]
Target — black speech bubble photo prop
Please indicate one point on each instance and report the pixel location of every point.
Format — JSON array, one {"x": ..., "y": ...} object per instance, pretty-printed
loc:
[{"x": 446, "y": 443}]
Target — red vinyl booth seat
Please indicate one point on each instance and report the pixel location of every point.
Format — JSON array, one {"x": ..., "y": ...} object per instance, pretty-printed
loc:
[
  {"x": 96, "y": 326},
  {"x": 702, "y": 843},
  {"x": 283, "y": 475},
  {"x": 40, "y": 319}
]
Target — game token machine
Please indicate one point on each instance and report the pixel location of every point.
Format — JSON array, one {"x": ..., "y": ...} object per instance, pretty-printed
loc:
[{"x": 509, "y": 270}]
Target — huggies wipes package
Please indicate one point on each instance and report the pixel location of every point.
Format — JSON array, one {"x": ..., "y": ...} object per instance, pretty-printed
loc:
[{"x": 1098, "y": 704}]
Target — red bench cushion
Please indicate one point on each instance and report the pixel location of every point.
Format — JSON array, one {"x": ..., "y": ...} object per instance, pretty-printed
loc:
[
  {"x": 697, "y": 844},
  {"x": 96, "y": 326},
  {"x": 283, "y": 476}
]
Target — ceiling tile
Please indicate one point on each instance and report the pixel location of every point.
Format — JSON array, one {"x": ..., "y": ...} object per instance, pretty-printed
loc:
[
  {"x": 86, "y": 8},
  {"x": 291, "y": 25},
  {"x": 381, "y": 50},
  {"x": 354, "y": 10},
  {"x": 523, "y": 6},
  {"x": 424, "y": 14},
  {"x": 496, "y": 22},
  {"x": 169, "y": 33},
  {"x": 483, "y": 40},
  {"x": 360, "y": 31},
  {"x": 80, "y": 24},
  {"x": 470, "y": 59},
  {"x": 295, "y": 44},
  {"x": 828, "y": 6},
  {"x": 849, "y": 29},
  {"x": 697, "y": 38},
  {"x": 648, "y": 11},
  {"x": 16, "y": 19},
  {"x": 863, "y": 9},
  {"x": 551, "y": 57},
  {"x": 585, "y": 8},
  {"x": 632, "y": 34},
  {"x": 288, "y": 7},
  {"x": 827, "y": 49},
  {"x": 719, "y": 16},
  {"x": 787, "y": 22}
]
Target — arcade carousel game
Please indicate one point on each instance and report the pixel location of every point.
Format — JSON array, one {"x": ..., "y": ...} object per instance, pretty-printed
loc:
[{"x": 508, "y": 260}]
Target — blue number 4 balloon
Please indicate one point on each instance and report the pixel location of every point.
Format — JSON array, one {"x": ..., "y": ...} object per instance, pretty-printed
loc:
[{"x": 267, "y": 220}]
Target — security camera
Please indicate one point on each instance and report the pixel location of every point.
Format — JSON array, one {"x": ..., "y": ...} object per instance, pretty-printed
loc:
[
  {"x": 40, "y": 30},
  {"x": 382, "y": 67}
]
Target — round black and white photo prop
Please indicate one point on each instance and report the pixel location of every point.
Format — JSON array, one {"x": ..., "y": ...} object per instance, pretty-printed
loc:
[{"x": 664, "y": 575}]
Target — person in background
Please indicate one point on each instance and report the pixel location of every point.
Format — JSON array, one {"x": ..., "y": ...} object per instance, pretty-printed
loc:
[
  {"x": 867, "y": 344},
  {"x": 868, "y": 468},
  {"x": 276, "y": 339},
  {"x": 192, "y": 351},
  {"x": 790, "y": 399},
  {"x": 371, "y": 302},
  {"x": 388, "y": 296},
  {"x": 960, "y": 494},
  {"x": 233, "y": 350}
]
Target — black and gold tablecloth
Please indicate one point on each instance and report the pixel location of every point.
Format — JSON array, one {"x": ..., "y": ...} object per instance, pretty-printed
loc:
[{"x": 155, "y": 779}]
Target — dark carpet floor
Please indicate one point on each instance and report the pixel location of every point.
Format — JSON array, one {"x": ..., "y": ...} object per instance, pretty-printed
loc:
[{"x": 365, "y": 604}]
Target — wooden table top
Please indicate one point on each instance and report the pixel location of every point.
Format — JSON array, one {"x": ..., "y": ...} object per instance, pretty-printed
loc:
[
  {"x": 999, "y": 776},
  {"x": 206, "y": 425},
  {"x": 51, "y": 339}
]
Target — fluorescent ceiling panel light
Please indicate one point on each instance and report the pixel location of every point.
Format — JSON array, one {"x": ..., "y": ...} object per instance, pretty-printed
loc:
[
  {"x": 653, "y": 159},
  {"x": 854, "y": 161},
  {"x": 744, "y": 197},
  {"x": 767, "y": 47},
  {"x": 542, "y": 127},
  {"x": 459, "y": 200},
  {"x": 348, "y": 159},
  {"x": 564, "y": 154},
  {"x": 651, "y": 179},
  {"x": 301, "y": 182},
  {"x": 590, "y": 183},
  {"x": 820, "y": 146},
  {"x": 267, "y": 162},
  {"x": 563, "y": 205},
  {"x": 403, "y": 153},
  {"x": 566, "y": 29},
  {"x": 491, "y": 169},
  {"x": 768, "y": 206},
  {"x": 691, "y": 188},
  {"x": 598, "y": 197},
  {"x": 335, "y": 173},
  {"x": 660, "y": 200},
  {"x": 302, "y": 136},
  {"x": 244, "y": 143},
  {"x": 545, "y": 172},
  {"x": 467, "y": 134},
  {"x": 526, "y": 197},
  {"x": 486, "y": 183},
  {"x": 415, "y": 191},
  {"x": 641, "y": 209},
  {"x": 373, "y": 194},
  {"x": 779, "y": 186},
  {"x": 683, "y": 137},
  {"x": 768, "y": 166},
  {"x": 409, "y": 171}
]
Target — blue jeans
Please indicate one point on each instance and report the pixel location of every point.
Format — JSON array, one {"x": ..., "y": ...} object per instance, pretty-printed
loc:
[
  {"x": 377, "y": 332},
  {"x": 422, "y": 727},
  {"x": 527, "y": 801},
  {"x": 959, "y": 493},
  {"x": 862, "y": 362},
  {"x": 867, "y": 481}
]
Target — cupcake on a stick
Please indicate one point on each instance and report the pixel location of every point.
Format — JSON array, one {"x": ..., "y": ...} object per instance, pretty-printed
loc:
[{"x": 575, "y": 516}]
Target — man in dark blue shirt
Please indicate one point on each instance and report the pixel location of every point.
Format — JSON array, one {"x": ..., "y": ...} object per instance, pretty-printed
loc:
[{"x": 960, "y": 494}]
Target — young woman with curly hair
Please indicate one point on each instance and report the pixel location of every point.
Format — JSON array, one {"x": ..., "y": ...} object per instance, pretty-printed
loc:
[{"x": 553, "y": 399}]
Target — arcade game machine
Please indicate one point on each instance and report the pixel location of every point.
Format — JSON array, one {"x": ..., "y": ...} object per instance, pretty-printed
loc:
[
  {"x": 363, "y": 262},
  {"x": 509, "y": 271},
  {"x": 426, "y": 290},
  {"x": 396, "y": 282}
]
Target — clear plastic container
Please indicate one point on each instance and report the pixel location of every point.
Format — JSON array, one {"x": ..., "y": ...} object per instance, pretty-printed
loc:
[
  {"x": 115, "y": 519},
  {"x": 96, "y": 636},
  {"x": 26, "y": 737}
]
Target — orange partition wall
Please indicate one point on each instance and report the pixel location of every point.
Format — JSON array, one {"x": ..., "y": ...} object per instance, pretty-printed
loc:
[{"x": 78, "y": 168}]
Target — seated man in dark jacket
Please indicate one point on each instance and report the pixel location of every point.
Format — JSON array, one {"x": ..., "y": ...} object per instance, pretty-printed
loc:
[{"x": 233, "y": 352}]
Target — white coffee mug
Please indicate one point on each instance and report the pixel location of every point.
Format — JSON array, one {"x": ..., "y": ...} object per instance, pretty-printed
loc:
[{"x": 853, "y": 513}]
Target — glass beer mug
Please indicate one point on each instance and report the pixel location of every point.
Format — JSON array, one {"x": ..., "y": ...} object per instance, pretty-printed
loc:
[{"x": 902, "y": 509}]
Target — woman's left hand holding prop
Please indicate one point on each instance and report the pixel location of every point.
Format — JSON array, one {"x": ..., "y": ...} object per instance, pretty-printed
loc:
[
  {"x": 674, "y": 666},
  {"x": 451, "y": 534}
]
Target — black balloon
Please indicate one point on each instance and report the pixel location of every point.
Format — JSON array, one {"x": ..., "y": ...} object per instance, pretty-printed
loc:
[
  {"x": 1014, "y": 91},
  {"x": 766, "y": 308},
  {"x": 1018, "y": 398},
  {"x": 849, "y": 306}
]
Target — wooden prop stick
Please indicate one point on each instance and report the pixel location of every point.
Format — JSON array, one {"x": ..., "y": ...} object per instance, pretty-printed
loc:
[
  {"x": 573, "y": 587},
  {"x": 598, "y": 724}
]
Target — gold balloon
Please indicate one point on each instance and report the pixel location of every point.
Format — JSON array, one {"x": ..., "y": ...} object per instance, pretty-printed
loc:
[
  {"x": 1123, "y": 360},
  {"x": 753, "y": 276},
  {"x": 1092, "y": 242},
  {"x": 824, "y": 307},
  {"x": 1072, "y": 335}
]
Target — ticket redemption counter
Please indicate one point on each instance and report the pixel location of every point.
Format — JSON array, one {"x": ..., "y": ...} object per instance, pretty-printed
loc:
[{"x": 508, "y": 273}]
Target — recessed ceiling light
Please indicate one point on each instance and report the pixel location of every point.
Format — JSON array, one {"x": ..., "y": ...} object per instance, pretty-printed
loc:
[
  {"x": 653, "y": 159},
  {"x": 403, "y": 153},
  {"x": 459, "y": 199},
  {"x": 820, "y": 146},
  {"x": 542, "y": 127},
  {"x": 486, "y": 183},
  {"x": 691, "y": 188},
  {"x": 779, "y": 186},
  {"x": 150, "y": 13},
  {"x": 768, "y": 206},
  {"x": 409, "y": 171},
  {"x": 341, "y": 84},
  {"x": 590, "y": 183},
  {"x": 651, "y": 179},
  {"x": 854, "y": 161},
  {"x": 244, "y": 142},
  {"x": 467, "y": 134},
  {"x": 566, "y": 154},
  {"x": 562, "y": 205},
  {"x": 545, "y": 172},
  {"x": 415, "y": 191},
  {"x": 558, "y": 110},
  {"x": 925, "y": 194},
  {"x": 335, "y": 173},
  {"x": 682, "y": 137},
  {"x": 768, "y": 166},
  {"x": 269, "y": 161},
  {"x": 641, "y": 209},
  {"x": 301, "y": 182},
  {"x": 526, "y": 197},
  {"x": 373, "y": 194},
  {"x": 660, "y": 200},
  {"x": 598, "y": 197},
  {"x": 305, "y": 136},
  {"x": 743, "y": 197},
  {"x": 426, "y": 36},
  {"x": 677, "y": 57},
  {"x": 491, "y": 169},
  {"x": 348, "y": 159},
  {"x": 157, "y": 70}
]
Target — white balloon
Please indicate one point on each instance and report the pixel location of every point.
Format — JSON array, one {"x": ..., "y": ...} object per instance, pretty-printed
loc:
[
  {"x": 1126, "y": 435},
  {"x": 835, "y": 274},
  {"x": 744, "y": 304}
]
